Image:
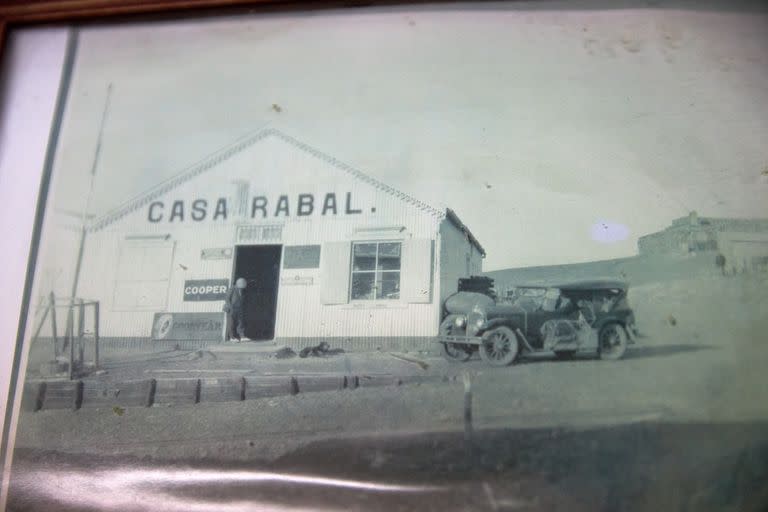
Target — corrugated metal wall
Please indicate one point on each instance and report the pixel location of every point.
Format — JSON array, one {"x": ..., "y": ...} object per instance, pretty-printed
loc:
[
  {"x": 458, "y": 258},
  {"x": 274, "y": 167}
]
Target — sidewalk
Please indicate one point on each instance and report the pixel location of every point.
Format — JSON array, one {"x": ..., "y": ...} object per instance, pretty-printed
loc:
[
  {"x": 228, "y": 372},
  {"x": 252, "y": 360}
]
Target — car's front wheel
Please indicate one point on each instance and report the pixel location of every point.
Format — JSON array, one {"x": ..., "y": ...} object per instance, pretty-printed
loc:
[
  {"x": 454, "y": 352},
  {"x": 612, "y": 342},
  {"x": 499, "y": 346}
]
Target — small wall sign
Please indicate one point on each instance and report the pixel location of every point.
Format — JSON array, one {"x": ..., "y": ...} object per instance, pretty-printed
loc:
[
  {"x": 205, "y": 290},
  {"x": 188, "y": 326},
  {"x": 216, "y": 253},
  {"x": 297, "y": 281}
]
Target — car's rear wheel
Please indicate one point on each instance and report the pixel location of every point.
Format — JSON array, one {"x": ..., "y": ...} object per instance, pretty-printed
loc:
[
  {"x": 454, "y": 352},
  {"x": 499, "y": 346},
  {"x": 612, "y": 342}
]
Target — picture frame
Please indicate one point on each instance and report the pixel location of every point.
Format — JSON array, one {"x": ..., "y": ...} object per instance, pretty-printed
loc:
[{"x": 354, "y": 286}]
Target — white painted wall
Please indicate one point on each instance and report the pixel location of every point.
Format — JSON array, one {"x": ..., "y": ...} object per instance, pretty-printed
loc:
[{"x": 273, "y": 166}]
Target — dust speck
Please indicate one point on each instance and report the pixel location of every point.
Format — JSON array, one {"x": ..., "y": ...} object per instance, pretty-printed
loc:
[
  {"x": 631, "y": 45},
  {"x": 277, "y": 108},
  {"x": 672, "y": 320},
  {"x": 118, "y": 410}
]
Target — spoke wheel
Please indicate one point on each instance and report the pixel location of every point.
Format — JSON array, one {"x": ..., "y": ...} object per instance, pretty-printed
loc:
[
  {"x": 612, "y": 342},
  {"x": 453, "y": 352},
  {"x": 499, "y": 347}
]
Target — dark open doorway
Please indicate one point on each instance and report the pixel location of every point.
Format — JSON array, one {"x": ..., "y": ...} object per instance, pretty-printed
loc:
[{"x": 260, "y": 266}]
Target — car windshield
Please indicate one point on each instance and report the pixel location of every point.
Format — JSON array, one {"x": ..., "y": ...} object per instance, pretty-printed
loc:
[{"x": 526, "y": 298}]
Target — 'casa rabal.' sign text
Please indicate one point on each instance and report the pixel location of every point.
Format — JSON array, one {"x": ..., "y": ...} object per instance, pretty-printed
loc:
[{"x": 261, "y": 207}]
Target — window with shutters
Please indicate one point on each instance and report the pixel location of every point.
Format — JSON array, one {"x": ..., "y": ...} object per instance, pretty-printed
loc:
[{"x": 375, "y": 272}]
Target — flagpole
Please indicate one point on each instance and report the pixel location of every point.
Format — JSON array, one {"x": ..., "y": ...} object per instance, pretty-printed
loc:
[{"x": 84, "y": 224}]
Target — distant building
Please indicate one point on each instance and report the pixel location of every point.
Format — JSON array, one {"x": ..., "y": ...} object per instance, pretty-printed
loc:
[{"x": 743, "y": 242}]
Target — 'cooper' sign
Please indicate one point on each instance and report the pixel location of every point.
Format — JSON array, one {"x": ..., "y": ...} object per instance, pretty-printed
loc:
[{"x": 205, "y": 290}]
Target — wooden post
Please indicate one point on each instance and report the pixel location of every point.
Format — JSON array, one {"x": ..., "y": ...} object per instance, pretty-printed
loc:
[
  {"x": 69, "y": 336},
  {"x": 467, "y": 406},
  {"x": 96, "y": 333},
  {"x": 52, "y": 305},
  {"x": 81, "y": 330}
]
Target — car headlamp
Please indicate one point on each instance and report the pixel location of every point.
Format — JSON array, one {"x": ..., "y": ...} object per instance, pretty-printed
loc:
[{"x": 460, "y": 321}]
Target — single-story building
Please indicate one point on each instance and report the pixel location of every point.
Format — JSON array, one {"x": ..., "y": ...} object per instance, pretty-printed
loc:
[
  {"x": 329, "y": 254},
  {"x": 695, "y": 234}
]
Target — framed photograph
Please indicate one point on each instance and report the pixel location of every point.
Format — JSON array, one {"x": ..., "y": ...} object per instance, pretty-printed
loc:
[{"x": 484, "y": 256}]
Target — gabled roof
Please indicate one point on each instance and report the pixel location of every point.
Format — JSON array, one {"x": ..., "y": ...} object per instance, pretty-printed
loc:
[{"x": 212, "y": 160}]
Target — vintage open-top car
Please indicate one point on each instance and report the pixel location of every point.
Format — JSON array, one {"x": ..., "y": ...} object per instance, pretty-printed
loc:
[{"x": 562, "y": 320}]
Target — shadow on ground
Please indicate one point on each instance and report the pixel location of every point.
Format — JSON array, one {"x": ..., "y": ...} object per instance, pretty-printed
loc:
[
  {"x": 643, "y": 351},
  {"x": 633, "y": 352}
]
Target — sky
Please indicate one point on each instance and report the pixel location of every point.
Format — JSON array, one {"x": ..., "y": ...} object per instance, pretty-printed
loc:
[{"x": 558, "y": 135}]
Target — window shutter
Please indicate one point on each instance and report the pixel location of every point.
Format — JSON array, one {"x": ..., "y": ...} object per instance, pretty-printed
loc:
[
  {"x": 416, "y": 273},
  {"x": 334, "y": 272},
  {"x": 142, "y": 276}
]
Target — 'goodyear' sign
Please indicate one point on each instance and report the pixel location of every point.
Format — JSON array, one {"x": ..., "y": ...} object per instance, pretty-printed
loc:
[{"x": 188, "y": 326}]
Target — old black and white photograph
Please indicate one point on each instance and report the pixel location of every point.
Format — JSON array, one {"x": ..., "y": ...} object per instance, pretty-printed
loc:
[{"x": 489, "y": 256}]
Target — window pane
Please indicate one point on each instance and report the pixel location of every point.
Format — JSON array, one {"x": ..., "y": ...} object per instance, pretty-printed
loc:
[
  {"x": 389, "y": 285},
  {"x": 389, "y": 256},
  {"x": 362, "y": 286},
  {"x": 364, "y": 257}
]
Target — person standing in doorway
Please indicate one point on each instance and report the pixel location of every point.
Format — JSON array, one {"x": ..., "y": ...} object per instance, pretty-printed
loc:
[{"x": 234, "y": 306}]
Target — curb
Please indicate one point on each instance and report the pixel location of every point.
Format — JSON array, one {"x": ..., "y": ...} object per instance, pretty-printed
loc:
[{"x": 80, "y": 394}]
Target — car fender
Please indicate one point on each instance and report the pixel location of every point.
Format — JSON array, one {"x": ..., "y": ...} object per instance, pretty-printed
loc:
[
  {"x": 614, "y": 320},
  {"x": 497, "y": 322}
]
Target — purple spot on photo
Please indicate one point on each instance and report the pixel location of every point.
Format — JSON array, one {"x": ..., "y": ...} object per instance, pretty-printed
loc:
[{"x": 608, "y": 232}]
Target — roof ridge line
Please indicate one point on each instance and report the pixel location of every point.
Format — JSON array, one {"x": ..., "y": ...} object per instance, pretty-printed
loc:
[{"x": 358, "y": 173}]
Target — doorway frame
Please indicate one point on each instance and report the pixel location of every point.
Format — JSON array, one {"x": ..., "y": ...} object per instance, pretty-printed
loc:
[{"x": 279, "y": 277}]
